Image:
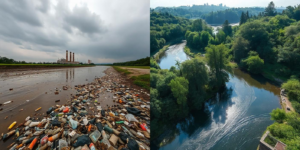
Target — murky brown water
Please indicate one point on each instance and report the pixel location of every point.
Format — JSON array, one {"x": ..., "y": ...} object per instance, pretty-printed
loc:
[{"x": 29, "y": 92}]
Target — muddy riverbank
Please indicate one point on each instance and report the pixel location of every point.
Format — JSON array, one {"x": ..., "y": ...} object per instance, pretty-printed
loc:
[{"x": 31, "y": 91}]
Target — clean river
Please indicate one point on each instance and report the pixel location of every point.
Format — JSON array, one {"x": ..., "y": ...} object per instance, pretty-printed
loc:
[{"x": 234, "y": 119}]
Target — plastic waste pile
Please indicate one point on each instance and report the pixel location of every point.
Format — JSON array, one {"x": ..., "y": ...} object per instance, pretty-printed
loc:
[{"x": 83, "y": 124}]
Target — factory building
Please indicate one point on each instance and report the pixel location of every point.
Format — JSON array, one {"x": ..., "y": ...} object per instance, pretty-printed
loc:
[{"x": 71, "y": 60}]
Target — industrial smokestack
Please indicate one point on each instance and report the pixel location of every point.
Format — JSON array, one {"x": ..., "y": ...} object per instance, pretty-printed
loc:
[
  {"x": 67, "y": 56},
  {"x": 70, "y": 56},
  {"x": 73, "y": 57}
]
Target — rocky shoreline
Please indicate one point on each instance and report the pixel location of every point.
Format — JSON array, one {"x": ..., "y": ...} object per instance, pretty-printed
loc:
[{"x": 83, "y": 123}]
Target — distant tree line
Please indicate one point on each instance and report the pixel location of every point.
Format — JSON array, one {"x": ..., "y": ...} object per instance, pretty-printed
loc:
[
  {"x": 5, "y": 60},
  {"x": 216, "y": 14},
  {"x": 195, "y": 11}
]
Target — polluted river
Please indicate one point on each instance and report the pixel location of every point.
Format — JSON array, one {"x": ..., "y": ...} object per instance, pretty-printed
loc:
[
  {"x": 235, "y": 118},
  {"x": 72, "y": 108}
]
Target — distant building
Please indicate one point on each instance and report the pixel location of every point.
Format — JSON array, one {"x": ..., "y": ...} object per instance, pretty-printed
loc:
[
  {"x": 66, "y": 61},
  {"x": 89, "y": 61}
]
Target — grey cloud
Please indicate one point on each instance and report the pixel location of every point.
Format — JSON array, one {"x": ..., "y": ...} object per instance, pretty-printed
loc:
[
  {"x": 21, "y": 10},
  {"x": 43, "y": 6},
  {"x": 84, "y": 20},
  {"x": 114, "y": 30}
]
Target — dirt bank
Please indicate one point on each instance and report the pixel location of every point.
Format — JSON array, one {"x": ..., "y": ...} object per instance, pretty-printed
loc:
[{"x": 136, "y": 71}]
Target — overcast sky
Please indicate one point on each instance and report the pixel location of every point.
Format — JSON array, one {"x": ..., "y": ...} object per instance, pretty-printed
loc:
[
  {"x": 229, "y": 3},
  {"x": 104, "y": 31}
]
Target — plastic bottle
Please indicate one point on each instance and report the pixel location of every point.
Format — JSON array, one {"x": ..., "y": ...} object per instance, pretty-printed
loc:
[
  {"x": 95, "y": 136},
  {"x": 143, "y": 127},
  {"x": 108, "y": 129},
  {"x": 119, "y": 122},
  {"x": 33, "y": 143},
  {"x": 32, "y": 124},
  {"x": 44, "y": 140},
  {"x": 105, "y": 140},
  {"x": 92, "y": 146},
  {"x": 62, "y": 144},
  {"x": 54, "y": 137}
]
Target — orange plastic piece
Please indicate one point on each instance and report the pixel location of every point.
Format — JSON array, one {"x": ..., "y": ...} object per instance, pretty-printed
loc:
[
  {"x": 66, "y": 110},
  {"x": 90, "y": 127},
  {"x": 32, "y": 143}
]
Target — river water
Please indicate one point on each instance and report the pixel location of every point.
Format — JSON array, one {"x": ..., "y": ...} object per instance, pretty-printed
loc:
[
  {"x": 234, "y": 119},
  {"x": 218, "y": 26},
  {"x": 36, "y": 89}
]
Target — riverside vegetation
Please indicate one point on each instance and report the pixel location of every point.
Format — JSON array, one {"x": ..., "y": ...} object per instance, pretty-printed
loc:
[{"x": 266, "y": 44}]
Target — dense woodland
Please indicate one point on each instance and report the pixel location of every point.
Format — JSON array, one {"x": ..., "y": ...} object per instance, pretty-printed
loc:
[
  {"x": 165, "y": 27},
  {"x": 139, "y": 62},
  {"x": 266, "y": 44},
  {"x": 212, "y": 14},
  {"x": 189, "y": 12}
]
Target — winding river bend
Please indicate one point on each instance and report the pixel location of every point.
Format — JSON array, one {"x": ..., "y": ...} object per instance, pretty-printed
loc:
[{"x": 234, "y": 119}]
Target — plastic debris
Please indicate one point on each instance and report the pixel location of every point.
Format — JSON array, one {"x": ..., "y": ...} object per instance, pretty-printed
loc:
[{"x": 82, "y": 123}]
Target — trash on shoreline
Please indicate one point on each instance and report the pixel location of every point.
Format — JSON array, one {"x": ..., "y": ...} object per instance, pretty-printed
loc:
[
  {"x": 7, "y": 102},
  {"x": 38, "y": 109},
  {"x": 65, "y": 87},
  {"x": 12, "y": 125},
  {"x": 82, "y": 123}
]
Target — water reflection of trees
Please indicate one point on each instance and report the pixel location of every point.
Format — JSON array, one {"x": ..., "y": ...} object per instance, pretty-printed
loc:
[
  {"x": 198, "y": 119},
  {"x": 202, "y": 118},
  {"x": 257, "y": 81}
]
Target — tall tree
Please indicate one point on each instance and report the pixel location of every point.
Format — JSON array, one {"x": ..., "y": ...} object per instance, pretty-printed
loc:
[
  {"x": 226, "y": 27},
  {"x": 270, "y": 10},
  {"x": 217, "y": 60},
  {"x": 196, "y": 73},
  {"x": 240, "y": 49},
  {"x": 180, "y": 88},
  {"x": 197, "y": 25},
  {"x": 247, "y": 15},
  {"x": 204, "y": 39},
  {"x": 243, "y": 18}
]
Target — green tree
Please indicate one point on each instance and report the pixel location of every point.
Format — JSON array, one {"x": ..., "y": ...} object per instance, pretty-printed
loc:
[
  {"x": 217, "y": 60},
  {"x": 153, "y": 63},
  {"x": 243, "y": 18},
  {"x": 155, "y": 103},
  {"x": 282, "y": 130},
  {"x": 253, "y": 63},
  {"x": 154, "y": 43},
  {"x": 226, "y": 27},
  {"x": 195, "y": 71},
  {"x": 178, "y": 64},
  {"x": 197, "y": 25},
  {"x": 256, "y": 33},
  {"x": 278, "y": 115},
  {"x": 270, "y": 10},
  {"x": 292, "y": 86},
  {"x": 221, "y": 36},
  {"x": 204, "y": 38},
  {"x": 180, "y": 87},
  {"x": 240, "y": 49}
]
